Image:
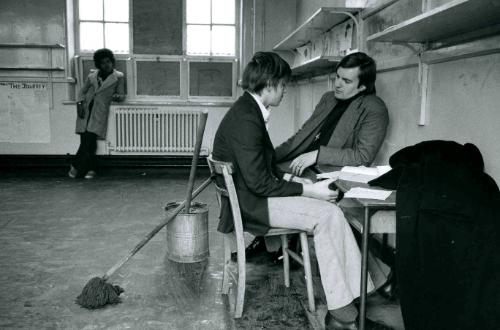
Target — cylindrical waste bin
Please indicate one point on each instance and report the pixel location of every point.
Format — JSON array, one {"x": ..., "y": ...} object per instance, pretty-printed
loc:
[{"x": 187, "y": 234}]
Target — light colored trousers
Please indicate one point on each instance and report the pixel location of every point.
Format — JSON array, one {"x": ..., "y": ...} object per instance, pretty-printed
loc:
[{"x": 337, "y": 252}]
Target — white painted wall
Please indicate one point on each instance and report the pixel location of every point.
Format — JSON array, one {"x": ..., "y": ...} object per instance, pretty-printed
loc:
[{"x": 464, "y": 94}]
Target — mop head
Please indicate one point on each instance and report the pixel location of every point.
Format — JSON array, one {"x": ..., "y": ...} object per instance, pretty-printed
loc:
[{"x": 97, "y": 293}]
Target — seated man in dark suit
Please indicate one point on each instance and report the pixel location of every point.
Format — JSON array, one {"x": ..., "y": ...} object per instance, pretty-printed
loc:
[
  {"x": 267, "y": 200},
  {"x": 348, "y": 125},
  {"x": 347, "y": 128}
]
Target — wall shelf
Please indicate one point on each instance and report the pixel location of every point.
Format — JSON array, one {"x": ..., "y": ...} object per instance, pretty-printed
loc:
[
  {"x": 7, "y": 45},
  {"x": 453, "y": 18},
  {"x": 315, "y": 66},
  {"x": 32, "y": 68},
  {"x": 320, "y": 22}
]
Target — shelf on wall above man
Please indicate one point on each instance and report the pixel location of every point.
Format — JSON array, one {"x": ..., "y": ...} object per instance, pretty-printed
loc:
[
  {"x": 453, "y": 18},
  {"x": 315, "y": 66},
  {"x": 320, "y": 22}
]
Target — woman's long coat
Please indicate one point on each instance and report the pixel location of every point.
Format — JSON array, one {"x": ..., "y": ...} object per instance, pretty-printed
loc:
[{"x": 102, "y": 97}]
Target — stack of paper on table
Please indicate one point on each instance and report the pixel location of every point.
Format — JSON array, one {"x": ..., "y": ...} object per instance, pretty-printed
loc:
[{"x": 356, "y": 173}]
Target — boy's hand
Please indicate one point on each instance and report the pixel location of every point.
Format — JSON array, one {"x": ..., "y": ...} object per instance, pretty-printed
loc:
[{"x": 320, "y": 190}]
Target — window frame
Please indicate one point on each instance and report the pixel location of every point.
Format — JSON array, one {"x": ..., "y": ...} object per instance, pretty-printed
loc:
[
  {"x": 132, "y": 58},
  {"x": 237, "y": 36},
  {"x": 78, "y": 49},
  {"x": 157, "y": 58},
  {"x": 218, "y": 59}
]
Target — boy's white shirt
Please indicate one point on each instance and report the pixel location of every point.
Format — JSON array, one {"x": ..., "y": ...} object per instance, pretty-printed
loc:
[{"x": 265, "y": 112}]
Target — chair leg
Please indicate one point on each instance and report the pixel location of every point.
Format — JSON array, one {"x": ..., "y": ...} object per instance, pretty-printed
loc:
[
  {"x": 307, "y": 269},
  {"x": 286, "y": 259},
  {"x": 227, "y": 260},
  {"x": 240, "y": 294}
]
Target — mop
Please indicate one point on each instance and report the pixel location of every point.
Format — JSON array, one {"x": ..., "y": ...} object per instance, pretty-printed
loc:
[{"x": 98, "y": 293}]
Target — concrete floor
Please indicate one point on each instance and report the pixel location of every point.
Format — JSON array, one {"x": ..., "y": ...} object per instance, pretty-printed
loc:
[{"x": 57, "y": 233}]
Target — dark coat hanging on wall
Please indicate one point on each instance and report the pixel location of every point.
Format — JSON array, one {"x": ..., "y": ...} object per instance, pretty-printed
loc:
[{"x": 448, "y": 237}]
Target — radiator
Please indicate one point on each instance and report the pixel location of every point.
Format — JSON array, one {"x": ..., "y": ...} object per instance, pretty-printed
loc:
[{"x": 151, "y": 129}]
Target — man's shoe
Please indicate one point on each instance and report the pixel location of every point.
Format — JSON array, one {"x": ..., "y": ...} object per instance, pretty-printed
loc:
[
  {"x": 90, "y": 175},
  {"x": 372, "y": 325},
  {"x": 389, "y": 288},
  {"x": 331, "y": 323},
  {"x": 256, "y": 247},
  {"x": 72, "y": 172}
]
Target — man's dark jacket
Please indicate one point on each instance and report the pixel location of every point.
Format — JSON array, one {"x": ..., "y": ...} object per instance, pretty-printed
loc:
[
  {"x": 356, "y": 139},
  {"x": 242, "y": 139},
  {"x": 448, "y": 237}
]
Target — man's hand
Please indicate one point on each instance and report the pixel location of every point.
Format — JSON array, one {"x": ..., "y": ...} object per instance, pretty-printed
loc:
[
  {"x": 303, "y": 161},
  {"x": 320, "y": 190}
]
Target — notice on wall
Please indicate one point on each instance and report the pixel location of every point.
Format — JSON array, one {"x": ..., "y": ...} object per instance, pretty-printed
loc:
[{"x": 24, "y": 112}]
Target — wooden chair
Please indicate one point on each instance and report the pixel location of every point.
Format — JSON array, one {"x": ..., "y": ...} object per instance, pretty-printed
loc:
[{"x": 226, "y": 170}]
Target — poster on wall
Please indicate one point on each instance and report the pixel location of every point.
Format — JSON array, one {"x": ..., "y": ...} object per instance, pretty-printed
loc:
[{"x": 24, "y": 112}]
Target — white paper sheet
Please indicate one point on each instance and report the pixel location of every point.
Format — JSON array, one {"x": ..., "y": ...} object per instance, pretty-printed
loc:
[
  {"x": 24, "y": 112},
  {"x": 368, "y": 193},
  {"x": 356, "y": 174}
]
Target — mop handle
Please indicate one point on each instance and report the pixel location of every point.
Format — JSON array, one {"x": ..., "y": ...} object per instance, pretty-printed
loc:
[
  {"x": 194, "y": 162},
  {"x": 146, "y": 239}
]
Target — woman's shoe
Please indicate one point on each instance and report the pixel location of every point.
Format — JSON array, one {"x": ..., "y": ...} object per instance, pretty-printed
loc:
[
  {"x": 90, "y": 175},
  {"x": 72, "y": 172}
]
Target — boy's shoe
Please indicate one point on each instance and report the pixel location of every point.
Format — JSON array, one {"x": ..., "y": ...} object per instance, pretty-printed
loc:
[
  {"x": 73, "y": 172},
  {"x": 90, "y": 175}
]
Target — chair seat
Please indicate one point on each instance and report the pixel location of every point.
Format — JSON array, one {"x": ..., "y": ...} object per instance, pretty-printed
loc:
[{"x": 282, "y": 231}]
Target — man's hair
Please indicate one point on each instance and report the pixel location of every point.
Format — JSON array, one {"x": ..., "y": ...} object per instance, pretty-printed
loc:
[
  {"x": 265, "y": 68},
  {"x": 101, "y": 54},
  {"x": 367, "y": 69}
]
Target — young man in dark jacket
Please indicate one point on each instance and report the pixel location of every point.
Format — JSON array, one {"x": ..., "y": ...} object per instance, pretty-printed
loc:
[{"x": 268, "y": 200}]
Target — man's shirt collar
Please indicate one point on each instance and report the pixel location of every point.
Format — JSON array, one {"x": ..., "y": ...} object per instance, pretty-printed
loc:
[{"x": 265, "y": 112}]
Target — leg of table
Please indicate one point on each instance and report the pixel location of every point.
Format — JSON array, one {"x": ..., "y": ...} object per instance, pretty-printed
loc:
[{"x": 364, "y": 269}]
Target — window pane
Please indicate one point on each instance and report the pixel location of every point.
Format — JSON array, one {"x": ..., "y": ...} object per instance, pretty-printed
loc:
[
  {"x": 198, "y": 11},
  {"x": 210, "y": 79},
  {"x": 198, "y": 40},
  {"x": 223, "y": 11},
  {"x": 116, "y": 35},
  {"x": 91, "y": 36},
  {"x": 90, "y": 9},
  {"x": 158, "y": 78},
  {"x": 223, "y": 40},
  {"x": 116, "y": 10}
]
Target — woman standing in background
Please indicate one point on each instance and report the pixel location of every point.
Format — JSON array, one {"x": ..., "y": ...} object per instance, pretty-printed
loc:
[{"x": 101, "y": 87}]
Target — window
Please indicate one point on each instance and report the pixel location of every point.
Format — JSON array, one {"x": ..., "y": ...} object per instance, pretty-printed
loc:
[
  {"x": 104, "y": 23},
  {"x": 211, "y": 79},
  {"x": 158, "y": 78},
  {"x": 211, "y": 27},
  {"x": 169, "y": 50}
]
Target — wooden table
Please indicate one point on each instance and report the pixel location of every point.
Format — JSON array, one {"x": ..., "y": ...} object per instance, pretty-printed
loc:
[{"x": 368, "y": 205}]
